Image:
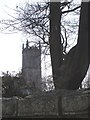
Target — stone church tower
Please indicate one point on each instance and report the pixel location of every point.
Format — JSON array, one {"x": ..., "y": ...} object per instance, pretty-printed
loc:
[{"x": 31, "y": 66}]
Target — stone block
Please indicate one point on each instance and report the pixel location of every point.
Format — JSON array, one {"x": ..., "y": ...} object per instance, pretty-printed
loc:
[
  {"x": 9, "y": 107},
  {"x": 76, "y": 104},
  {"x": 38, "y": 105}
]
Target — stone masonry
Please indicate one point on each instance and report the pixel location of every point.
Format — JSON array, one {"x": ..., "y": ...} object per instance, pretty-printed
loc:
[
  {"x": 31, "y": 66},
  {"x": 62, "y": 104}
]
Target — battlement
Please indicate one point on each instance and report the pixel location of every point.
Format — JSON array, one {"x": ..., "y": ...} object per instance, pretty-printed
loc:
[{"x": 33, "y": 47}]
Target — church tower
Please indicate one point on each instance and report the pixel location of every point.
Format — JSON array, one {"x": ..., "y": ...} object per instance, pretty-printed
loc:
[{"x": 31, "y": 66}]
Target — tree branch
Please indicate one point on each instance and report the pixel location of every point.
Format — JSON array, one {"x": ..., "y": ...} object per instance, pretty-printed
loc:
[{"x": 71, "y": 10}]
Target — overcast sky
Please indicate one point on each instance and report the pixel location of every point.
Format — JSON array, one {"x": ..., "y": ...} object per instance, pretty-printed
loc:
[{"x": 10, "y": 44}]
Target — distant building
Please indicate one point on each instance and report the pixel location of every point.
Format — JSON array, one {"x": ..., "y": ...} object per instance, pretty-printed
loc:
[{"x": 31, "y": 66}]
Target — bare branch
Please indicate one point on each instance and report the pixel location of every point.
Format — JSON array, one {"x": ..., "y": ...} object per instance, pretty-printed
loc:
[{"x": 68, "y": 11}]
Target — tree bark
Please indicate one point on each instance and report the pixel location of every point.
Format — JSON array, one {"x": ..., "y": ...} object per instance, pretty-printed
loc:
[
  {"x": 89, "y": 33},
  {"x": 75, "y": 66},
  {"x": 55, "y": 39}
]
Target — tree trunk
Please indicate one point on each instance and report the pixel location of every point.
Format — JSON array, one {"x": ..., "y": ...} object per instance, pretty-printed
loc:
[
  {"x": 75, "y": 66},
  {"x": 55, "y": 39},
  {"x": 89, "y": 33}
]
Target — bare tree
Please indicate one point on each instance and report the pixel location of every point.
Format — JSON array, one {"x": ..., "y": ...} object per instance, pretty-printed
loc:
[
  {"x": 37, "y": 20},
  {"x": 34, "y": 19}
]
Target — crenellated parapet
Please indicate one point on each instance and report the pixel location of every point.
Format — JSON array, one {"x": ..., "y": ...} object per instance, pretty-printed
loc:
[{"x": 33, "y": 47}]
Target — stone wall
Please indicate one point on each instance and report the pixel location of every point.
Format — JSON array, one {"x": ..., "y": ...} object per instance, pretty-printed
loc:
[
  {"x": 76, "y": 104},
  {"x": 57, "y": 103}
]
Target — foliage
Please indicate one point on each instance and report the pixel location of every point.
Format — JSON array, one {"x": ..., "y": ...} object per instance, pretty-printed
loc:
[
  {"x": 16, "y": 86},
  {"x": 11, "y": 85},
  {"x": 47, "y": 84}
]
